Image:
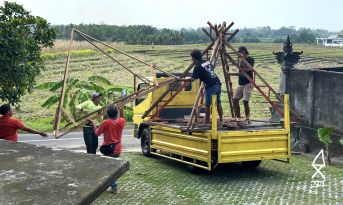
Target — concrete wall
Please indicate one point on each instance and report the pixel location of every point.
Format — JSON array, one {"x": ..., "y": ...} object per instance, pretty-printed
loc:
[{"x": 318, "y": 96}]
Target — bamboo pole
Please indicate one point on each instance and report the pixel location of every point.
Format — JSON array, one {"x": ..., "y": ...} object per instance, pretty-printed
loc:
[
  {"x": 208, "y": 34},
  {"x": 252, "y": 69},
  {"x": 89, "y": 41},
  {"x": 96, "y": 114},
  {"x": 195, "y": 106},
  {"x": 65, "y": 79},
  {"x": 126, "y": 54},
  {"x": 276, "y": 108},
  {"x": 227, "y": 82},
  {"x": 168, "y": 90}
]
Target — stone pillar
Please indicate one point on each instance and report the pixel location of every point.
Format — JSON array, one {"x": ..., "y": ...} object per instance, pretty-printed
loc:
[{"x": 287, "y": 58}]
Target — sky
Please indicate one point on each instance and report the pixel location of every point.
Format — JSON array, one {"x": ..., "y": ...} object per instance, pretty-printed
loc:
[{"x": 175, "y": 14}]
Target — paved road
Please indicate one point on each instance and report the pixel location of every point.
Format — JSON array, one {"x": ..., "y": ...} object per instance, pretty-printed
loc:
[{"x": 74, "y": 141}]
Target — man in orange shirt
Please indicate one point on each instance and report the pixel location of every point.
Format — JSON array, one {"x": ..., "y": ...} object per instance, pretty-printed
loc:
[
  {"x": 9, "y": 125},
  {"x": 112, "y": 129}
]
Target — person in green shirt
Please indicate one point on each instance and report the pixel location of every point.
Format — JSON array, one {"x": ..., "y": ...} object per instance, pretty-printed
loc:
[{"x": 89, "y": 106}]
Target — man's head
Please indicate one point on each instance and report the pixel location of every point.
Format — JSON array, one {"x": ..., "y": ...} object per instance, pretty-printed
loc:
[
  {"x": 196, "y": 55},
  {"x": 5, "y": 109},
  {"x": 112, "y": 111},
  {"x": 96, "y": 98},
  {"x": 243, "y": 50}
]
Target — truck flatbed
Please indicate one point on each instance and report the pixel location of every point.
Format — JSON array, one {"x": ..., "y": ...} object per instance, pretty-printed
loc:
[{"x": 241, "y": 125}]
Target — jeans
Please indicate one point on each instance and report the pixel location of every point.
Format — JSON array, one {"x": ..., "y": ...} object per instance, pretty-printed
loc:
[
  {"x": 114, "y": 185},
  {"x": 213, "y": 90},
  {"x": 91, "y": 140}
]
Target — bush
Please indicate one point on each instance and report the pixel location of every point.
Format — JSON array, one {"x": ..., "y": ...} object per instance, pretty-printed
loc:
[{"x": 251, "y": 39}]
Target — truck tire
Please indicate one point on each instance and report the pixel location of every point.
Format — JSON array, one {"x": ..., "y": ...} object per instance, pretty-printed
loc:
[
  {"x": 145, "y": 142},
  {"x": 195, "y": 170},
  {"x": 251, "y": 164}
]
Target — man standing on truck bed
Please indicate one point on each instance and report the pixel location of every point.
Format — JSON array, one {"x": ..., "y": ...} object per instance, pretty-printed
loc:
[
  {"x": 204, "y": 70},
  {"x": 245, "y": 87}
]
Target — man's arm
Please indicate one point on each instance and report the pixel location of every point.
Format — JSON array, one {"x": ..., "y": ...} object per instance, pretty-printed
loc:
[
  {"x": 81, "y": 107},
  {"x": 27, "y": 129},
  {"x": 189, "y": 79},
  {"x": 234, "y": 74}
]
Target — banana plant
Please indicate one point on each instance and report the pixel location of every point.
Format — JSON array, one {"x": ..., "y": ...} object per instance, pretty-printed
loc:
[
  {"x": 324, "y": 135},
  {"x": 78, "y": 91}
]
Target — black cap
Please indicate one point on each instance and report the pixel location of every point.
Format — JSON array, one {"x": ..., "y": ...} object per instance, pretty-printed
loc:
[
  {"x": 243, "y": 48},
  {"x": 196, "y": 54}
]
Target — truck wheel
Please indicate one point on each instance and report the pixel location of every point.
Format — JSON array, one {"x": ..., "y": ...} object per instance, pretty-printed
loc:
[
  {"x": 145, "y": 142},
  {"x": 195, "y": 170},
  {"x": 251, "y": 164}
]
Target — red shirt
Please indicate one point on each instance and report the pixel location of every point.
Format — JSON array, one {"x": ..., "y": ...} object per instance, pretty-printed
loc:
[
  {"x": 9, "y": 127},
  {"x": 112, "y": 130}
]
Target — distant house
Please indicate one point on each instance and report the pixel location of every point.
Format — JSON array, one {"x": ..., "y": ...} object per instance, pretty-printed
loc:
[{"x": 330, "y": 41}]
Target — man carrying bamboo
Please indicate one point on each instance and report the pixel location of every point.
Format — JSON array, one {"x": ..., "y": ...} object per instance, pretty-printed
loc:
[
  {"x": 89, "y": 106},
  {"x": 204, "y": 70},
  {"x": 245, "y": 87}
]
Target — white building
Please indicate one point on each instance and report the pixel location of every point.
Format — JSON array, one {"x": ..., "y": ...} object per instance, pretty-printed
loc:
[{"x": 330, "y": 41}]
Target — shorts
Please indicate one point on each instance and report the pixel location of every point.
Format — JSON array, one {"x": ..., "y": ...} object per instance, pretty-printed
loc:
[
  {"x": 213, "y": 90},
  {"x": 243, "y": 91}
]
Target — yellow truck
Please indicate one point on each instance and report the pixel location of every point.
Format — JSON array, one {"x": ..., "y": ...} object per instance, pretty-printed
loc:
[{"x": 206, "y": 148}]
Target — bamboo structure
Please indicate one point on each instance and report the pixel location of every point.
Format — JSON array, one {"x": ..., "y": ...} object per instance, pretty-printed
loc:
[
  {"x": 219, "y": 48},
  {"x": 76, "y": 123}
]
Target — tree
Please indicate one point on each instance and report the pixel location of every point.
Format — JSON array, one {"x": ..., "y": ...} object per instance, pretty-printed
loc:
[
  {"x": 251, "y": 39},
  {"x": 305, "y": 36},
  {"x": 340, "y": 34},
  {"x": 21, "y": 38}
]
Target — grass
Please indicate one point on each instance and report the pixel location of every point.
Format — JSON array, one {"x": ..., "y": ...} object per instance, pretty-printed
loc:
[
  {"x": 162, "y": 181},
  {"x": 86, "y": 62}
]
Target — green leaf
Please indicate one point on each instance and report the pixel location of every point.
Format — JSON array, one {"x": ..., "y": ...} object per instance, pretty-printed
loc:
[
  {"x": 100, "y": 79},
  {"x": 114, "y": 89},
  {"x": 50, "y": 101},
  {"x": 96, "y": 87},
  {"x": 341, "y": 141},
  {"x": 47, "y": 85},
  {"x": 71, "y": 84},
  {"x": 324, "y": 134},
  {"x": 57, "y": 86}
]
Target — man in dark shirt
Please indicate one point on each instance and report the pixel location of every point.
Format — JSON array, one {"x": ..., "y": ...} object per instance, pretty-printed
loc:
[
  {"x": 204, "y": 71},
  {"x": 245, "y": 87}
]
